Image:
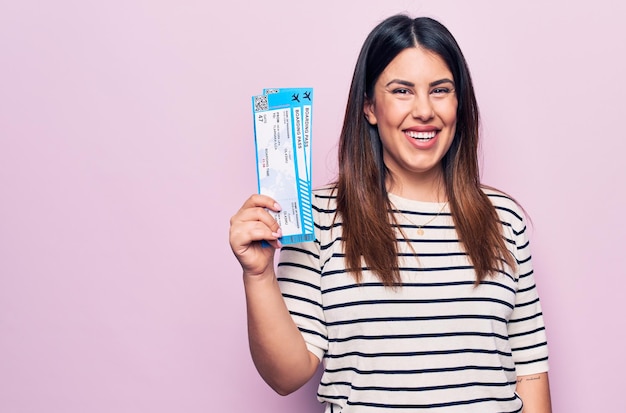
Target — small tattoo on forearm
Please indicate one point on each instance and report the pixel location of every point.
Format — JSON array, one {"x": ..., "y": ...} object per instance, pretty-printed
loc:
[{"x": 528, "y": 378}]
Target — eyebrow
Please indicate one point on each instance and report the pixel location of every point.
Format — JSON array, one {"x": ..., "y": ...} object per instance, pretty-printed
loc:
[{"x": 411, "y": 84}]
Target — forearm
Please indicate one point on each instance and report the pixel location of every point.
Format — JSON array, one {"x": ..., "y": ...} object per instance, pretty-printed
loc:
[
  {"x": 534, "y": 391},
  {"x": 276, "y": 345}
]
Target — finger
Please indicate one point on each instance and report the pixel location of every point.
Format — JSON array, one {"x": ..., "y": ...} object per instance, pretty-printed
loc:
[
  {"x": 276, "y": 244},
  {"x": 244, "y": 233},
  {"x": 258, "y": 231},
  {"x": 256, "y": 214},
  {"x": 263, "y": 201}
]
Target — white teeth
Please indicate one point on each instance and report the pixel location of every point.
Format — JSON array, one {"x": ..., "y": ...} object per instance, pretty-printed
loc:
[{"x": 421, "y": 135}]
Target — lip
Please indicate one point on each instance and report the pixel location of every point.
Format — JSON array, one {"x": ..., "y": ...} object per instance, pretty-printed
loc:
[
  {"x": 424, "y": 128},
  {"x": 419, "y": 143}
]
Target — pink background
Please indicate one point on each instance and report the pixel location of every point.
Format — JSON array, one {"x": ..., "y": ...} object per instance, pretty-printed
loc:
[{"x": 126, "y": 145}]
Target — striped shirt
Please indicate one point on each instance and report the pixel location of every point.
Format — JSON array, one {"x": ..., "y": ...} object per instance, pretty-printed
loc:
[{"x": 436, "y": 344}]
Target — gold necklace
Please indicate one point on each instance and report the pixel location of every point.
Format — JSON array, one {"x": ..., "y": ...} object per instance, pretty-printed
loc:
[{"x": 419, "y": 229}]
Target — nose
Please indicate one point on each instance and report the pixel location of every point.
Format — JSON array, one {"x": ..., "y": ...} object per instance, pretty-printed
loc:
[{"x": 422, "y": 108}]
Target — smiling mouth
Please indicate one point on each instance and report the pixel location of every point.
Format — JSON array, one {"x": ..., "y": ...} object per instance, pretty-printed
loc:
[{"x": 421, "y": 136}]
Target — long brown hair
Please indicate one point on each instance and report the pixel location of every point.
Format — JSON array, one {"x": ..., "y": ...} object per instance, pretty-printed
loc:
[{"x": 362, "y": 200}]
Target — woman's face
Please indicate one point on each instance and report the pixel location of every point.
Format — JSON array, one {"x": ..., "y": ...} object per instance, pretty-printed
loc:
[{"x": 414, "y": 107}]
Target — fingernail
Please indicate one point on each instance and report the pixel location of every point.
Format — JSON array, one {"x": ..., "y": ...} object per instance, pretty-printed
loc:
[{"x": 277, "y": 207}]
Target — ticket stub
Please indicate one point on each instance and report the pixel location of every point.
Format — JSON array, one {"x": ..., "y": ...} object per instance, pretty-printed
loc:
[
  {"x": 282, "y": 166},
  {"x": 305, "y": 97}
]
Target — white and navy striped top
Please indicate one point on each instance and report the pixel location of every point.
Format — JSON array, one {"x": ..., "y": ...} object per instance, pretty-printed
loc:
[{"x": 436, "y": 344}]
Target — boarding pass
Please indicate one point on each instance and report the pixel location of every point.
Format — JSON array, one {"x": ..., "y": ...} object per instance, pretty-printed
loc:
[{"x": 282, "y": 130}]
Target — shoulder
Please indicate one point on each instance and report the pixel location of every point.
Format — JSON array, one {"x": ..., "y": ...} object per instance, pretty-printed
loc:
[
  {"x": 327, "y": 224},
  {"x": 507, "y": 208},
  {"x": 325, "y": 198},
  {"x": 324, "y": 203}
]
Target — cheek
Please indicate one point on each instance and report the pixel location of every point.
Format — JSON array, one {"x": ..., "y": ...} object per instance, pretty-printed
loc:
[
  {"x": 390, "y": 111},
  {"x": 446, "y": 112},
  {"x": 449, "y": 116}
]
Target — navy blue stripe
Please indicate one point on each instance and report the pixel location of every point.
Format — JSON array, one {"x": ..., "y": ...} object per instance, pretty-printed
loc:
[
  {"x": 532, "y": 361},
  {"x": 419, "y": 254},
  {"x": 525, "y": 333},
  {"x": 419, "y": 213},
  {"x": 417, "y": 285},
  {"x": 429, "y": 269},
  {"x": 520, "y": 232},
  {"x": 296, "y": 281},
  {"x": 327, "y": 227},
  {"x": 416, "y": 318},
  {"x": 510, "y": 211},
  {"x": 417, "y": 389},
  {"x": 421, "y": 371},
  {"x": 324, "y": 211},
  {"x": 315, "y": 333},
  {"x": 424, "y": 335},
  {"x": 297, "y": 265},
  {"x": 543, "y": 344},
  {"x": 420, "y": 301},
  {"x": 433, "y": 405},
  {"x": 306, "y": 300},
  {"x": 519, "y": 320},
  {"x": 536, "y": 300},
  {"x": 307, "y": 316},
  {"x": 418, "y": 353}
]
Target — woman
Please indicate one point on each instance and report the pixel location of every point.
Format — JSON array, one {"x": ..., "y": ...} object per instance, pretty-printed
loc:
[{"x": 418, "y": 292}]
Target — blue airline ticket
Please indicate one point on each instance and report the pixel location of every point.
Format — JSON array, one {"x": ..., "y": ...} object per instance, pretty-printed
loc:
[
  {"x": 283, "y": 171},
  {"x": 305, "y": 97}
]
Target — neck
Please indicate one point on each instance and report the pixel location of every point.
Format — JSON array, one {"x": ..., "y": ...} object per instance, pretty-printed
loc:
[{"x": 425, "y": 187}]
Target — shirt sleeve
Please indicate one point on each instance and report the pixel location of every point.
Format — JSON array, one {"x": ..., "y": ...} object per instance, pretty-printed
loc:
[
  {"x": 527, "y": 333},
  {"x": 299, "y": 277}
]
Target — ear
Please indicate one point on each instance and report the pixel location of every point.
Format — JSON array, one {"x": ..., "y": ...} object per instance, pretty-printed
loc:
[{"x": 368, "y": 111}]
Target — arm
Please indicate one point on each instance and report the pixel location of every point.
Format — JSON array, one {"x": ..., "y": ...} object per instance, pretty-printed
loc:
[
  {"x": 534, "y": 391},
  {"x": 526, "y": 325},
  {"x": 276, "y": 345}
]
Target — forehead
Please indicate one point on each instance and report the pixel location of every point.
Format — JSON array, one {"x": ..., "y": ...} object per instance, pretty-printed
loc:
[{"x": 417, "y": 65}]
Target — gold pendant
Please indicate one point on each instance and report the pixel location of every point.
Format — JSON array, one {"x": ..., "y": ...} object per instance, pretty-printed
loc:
[{"x": 420, "y": 231}]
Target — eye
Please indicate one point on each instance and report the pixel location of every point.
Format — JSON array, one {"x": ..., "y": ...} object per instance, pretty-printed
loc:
[
  {"x": 401, "y": 91},
  {"x": 441, "y": 91}
]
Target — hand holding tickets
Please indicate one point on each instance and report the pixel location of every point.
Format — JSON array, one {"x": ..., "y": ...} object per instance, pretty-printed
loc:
[{"x": 282, "y": 131}]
